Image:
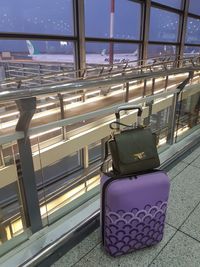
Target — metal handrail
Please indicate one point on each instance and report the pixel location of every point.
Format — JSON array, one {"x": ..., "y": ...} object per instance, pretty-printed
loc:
[
  {"x": 138, "y": 64},
  {"x": 191, "y": 64},
  {"x": 86, "y": 116},
  {"x": 100, "y": 67}
]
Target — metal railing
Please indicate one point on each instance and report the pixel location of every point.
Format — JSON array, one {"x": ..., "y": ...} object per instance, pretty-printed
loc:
[
  {"x": 164, "y": 105},
  {"x": 15, "y": 89}
]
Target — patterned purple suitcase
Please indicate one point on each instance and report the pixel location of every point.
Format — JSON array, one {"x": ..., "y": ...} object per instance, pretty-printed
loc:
[{"x": 133, "y": 211}]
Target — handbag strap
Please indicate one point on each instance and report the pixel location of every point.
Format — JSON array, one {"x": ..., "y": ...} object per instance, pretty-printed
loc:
[
  {"x": 104, "y": 166},
  {"x": 118, "y": 123},
  {"x": 105, "y": 160}
]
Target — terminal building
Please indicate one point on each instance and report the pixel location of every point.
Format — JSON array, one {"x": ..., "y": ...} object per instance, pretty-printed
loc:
[{"x": 65, "y": 67}]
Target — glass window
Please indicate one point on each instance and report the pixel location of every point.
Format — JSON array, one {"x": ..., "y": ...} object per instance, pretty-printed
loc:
[
  {"x": 127, "y": 17},
  {"x": 44, "y": 17},
  {"x": 172, "y": 3},
  {"x": 45, "y": 51},
  {"x": 193, "y": 31},
  {"x": 194, "y": 7},
  {"x": 121, "y": 19},
  {"x": 166, "y": 29},
  {"x": 97, "y": 53},
  {"x": 161, "y": 50},
  {"x": 97, "y": 18},
  {"x": 101, "y": 53},
  {"x": 191, "y": 51},
  {"x": 125, "y": 52}
]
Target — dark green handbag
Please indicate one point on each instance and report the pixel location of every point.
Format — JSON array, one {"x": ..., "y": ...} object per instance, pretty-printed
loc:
[{"x": 132, "y": 150}]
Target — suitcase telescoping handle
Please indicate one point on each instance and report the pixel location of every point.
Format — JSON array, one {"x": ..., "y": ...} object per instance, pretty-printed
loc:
[{"x": 131, "y": 107}]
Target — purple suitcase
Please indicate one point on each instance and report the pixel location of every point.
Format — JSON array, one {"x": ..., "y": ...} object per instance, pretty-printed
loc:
[{"x": 133, "y": 211}]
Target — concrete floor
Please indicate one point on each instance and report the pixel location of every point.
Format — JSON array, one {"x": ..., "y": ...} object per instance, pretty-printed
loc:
[{"x": 181, "y": 243}]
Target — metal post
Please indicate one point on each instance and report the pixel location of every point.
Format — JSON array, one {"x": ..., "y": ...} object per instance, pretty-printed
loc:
[
  {"x": 144, "y": 88},
  {"x": 111, "y": 45},
  {"x": 172, "y": 121},
  {"x": 85, "y": 157},
  {"x": 153, "y": 86},
  {"x": 62, "y": 113},
  {"x": 150, "y": 105},
  {"x": 127, "y": 92},
  {"x": 26, "y": 171},
  {"x": 166, "y": 82}
]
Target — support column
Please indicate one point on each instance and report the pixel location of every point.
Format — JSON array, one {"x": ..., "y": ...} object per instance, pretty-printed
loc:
[
  {"x": 79, "y": 27},
  {"x": 111, "y": 45},
  {"x": 25, "y": 168},
  {"x": 183, "y": 28},
  {"x": 145, "y": 33},
  {"x": 79, "y": 22}
]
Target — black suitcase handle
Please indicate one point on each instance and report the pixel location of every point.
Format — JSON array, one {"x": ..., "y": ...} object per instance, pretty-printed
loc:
[
  {"x": 128, "y": 107},
  {"x": 117, "y": 113}
]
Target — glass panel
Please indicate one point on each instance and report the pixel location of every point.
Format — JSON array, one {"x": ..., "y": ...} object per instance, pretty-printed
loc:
[
  {"x": 104, "y": 53},
  {"x": 161, "y": 50},
  {"x": 97, "y": 53},
  {"x": 191, "y": 51},
  {"x": 42, "y": 17},
  {"x": 94, "y": 151},
  {"x": 61, "y": 182},
  {"x": 127, "y": 17},
  {"x": 54, "y": 177},
  {"x": 125, "y": 52},
  {"x": 121, "y": 19},
  {"x": 188, "y": 115},
  {"x": 160, "y": 125},
  {"x": 194, "y": 7},
  {"x": 94, "y": 26},
  {"x": 58, "y": 170},
  {"x": 172, "y": 3},
  {"x": 166, "y": 29},
  {"x": 193, "y": 31},
  {"x": 12, "y": 218},
  {"x": 48, "y": 110},
  {"x": 37, "y": 51}
]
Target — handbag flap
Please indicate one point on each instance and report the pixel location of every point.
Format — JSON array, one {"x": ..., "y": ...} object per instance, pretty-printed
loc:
[{"x": 136, "y": 145}]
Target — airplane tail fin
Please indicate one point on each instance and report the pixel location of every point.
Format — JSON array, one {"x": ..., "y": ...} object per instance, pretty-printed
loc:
[
  {"x": 103, "y": 52},
  {"x": 135, "y": 53},
  {"x": 32, "y": 51}
]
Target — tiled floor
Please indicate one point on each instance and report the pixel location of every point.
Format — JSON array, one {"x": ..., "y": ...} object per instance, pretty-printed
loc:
[{"x": 181, "y": 243}]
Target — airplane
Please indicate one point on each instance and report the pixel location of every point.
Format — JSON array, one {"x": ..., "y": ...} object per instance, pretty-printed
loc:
[
  {"x": 91, "y": 58},
  {"x": 37, "y": 56}
]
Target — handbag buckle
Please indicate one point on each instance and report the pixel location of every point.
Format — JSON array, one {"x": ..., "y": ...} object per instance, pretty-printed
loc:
[{"x": 140, "y": 155}]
